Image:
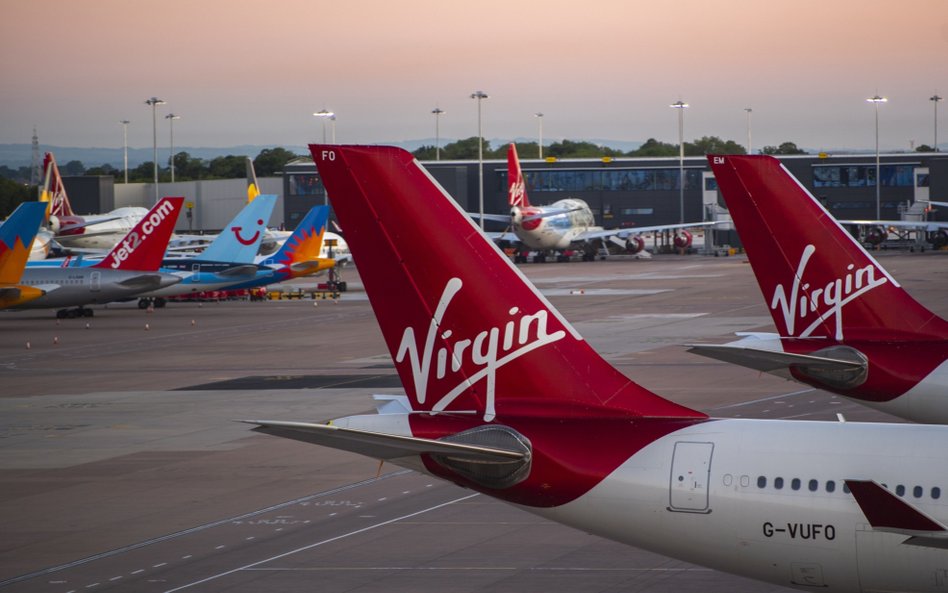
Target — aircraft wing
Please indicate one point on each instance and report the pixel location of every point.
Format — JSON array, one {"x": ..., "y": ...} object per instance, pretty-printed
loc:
[
  {"x": 624, "y": 233},
  {"x": 143, "y": 282},
  {"x": 494, "y": 217},
  {"x": 920, "y": 225},
  {"x": 888, "y": 512},
  {"x": 506, "y": 236},
  {"x": 379, "y": 445},
  {"x": 768, "y": 361}
]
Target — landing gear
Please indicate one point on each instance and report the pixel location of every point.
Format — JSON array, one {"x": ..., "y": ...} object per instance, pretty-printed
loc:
[
  {"x": 539, "y": 258},
  {"x": 73, "y": 313},
  {"x": 154, "y": 302}
]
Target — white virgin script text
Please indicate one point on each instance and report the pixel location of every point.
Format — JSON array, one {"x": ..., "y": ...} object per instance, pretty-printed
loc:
[
  {"x": 803, "y": 301},
  {"x": 489, "y": 349}
]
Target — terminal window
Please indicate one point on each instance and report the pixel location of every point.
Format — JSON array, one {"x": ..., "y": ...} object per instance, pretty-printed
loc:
[{"x": 862, "y": 175}]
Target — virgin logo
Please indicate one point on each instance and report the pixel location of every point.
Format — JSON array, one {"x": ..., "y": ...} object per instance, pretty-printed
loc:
[
  {"x": 482, "y": 353},
  {"x": 516, "y": 192},
  {"x": 824, "y": 301}
]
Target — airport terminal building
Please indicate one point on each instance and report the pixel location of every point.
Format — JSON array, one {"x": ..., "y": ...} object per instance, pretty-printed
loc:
[
  {"x": 622, "y": 192},
  {"x": 629, "y": 192}
]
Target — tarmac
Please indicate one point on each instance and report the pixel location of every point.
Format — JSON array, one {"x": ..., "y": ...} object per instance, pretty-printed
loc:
[{"x": 123, "y": 466}]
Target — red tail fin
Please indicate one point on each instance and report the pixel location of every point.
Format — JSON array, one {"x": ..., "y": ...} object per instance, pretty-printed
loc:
[
  {"x": 468, "y": 333},
  {"x": 144, "y": 246},
  {"x": 53, "y": 190},
  {"x": 816, "y": 279},
  {"x": 516, "y": 188}
]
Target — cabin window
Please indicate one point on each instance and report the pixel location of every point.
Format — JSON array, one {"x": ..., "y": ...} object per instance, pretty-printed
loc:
[
  {"x": 830, "y": 486},
  {"x": 761, "y": 481},
  {"x": 900, "y": 490},
  {"x": 778, "y": 483},
  {"x": 795, "y": 483},
  {"x": 936, "y": 492},
  {"x": 813, "y": 485},
  {"x": 918, "y": 491}
]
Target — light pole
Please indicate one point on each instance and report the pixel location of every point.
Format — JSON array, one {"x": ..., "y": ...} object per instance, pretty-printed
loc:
[
  {"x": 154, "y": 102},
  {"x": 171, "y": 117},
  {"x": 681, "y": 106},
  {"x": 438, "y": 112},
  {"x": 125, "y": 123},
  {"x": 539, "y": 117},
  {"x": 323, "y": 115},
  {"x": 875, "y": 100},
  {"x": 478, "y": 95},
  {"x": 935, "y": 99},
  {"x": 750, "y": 146}
]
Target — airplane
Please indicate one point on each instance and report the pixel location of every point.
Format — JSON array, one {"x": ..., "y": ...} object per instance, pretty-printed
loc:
[
  {"x": 298, "y": 256},
  {"x": 130, "y": 268},
  {"x": 17, "y": 234},
  {"x": 503, "y": 396},
  {"x": 568, "y": 222},
  {"x": 844, "y": 324},
  {"x": 91, "y": 231}
]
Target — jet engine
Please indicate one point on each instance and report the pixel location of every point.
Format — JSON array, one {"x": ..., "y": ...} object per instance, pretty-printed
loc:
[
  {"x": 634, "y": 244},
  {"x": 876, "y": 235},
  {"x": 683, "y": 239}
]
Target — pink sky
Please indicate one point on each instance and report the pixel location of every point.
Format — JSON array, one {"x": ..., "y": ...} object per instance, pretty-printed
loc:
[{"x": 242, "y": 72}]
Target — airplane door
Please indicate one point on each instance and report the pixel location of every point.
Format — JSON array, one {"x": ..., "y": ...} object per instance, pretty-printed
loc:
[
  {"x": 690, "y": 476},
  {"x": 95, "y": 281}
]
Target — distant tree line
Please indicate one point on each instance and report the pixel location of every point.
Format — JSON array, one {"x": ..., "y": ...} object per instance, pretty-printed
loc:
[
  {"x": 467, "y": 149},
  {"x": 186, "y": 168},
  {"x": 14, "y": 187}
]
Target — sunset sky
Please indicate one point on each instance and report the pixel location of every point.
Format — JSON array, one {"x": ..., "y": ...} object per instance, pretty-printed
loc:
[{"x": 253, "y": 72}]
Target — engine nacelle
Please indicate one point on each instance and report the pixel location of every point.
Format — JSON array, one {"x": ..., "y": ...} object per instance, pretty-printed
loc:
[
  {"x": 876, "y": 235},
  {"x": 634, "y": 244},
  {"x": 938, "y": 239},
  {"x": 683, "y": 239}
]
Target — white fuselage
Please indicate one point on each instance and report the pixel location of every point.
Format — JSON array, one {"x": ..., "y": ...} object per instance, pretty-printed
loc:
[
  {"x": 552, "y": 232},
  {"x": 766, "y": 499},
  {"x": 101, "y": 235},
  {"x": 68, "y": 287}
]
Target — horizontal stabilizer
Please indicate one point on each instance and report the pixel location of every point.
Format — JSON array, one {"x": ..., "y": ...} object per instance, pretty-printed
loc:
[
  {"x": 768, "y": 361},
  {"x": 379, "y": 445},
  {"x": 143, "y": 282},
  {"x": 888, "y": 512},
  {"x": 311, "y": 266}
]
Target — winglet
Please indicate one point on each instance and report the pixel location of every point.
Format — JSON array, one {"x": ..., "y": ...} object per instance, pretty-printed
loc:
[
  {"x": 516, "y": 188},
  {"x": 468, "y": 333},
  {"x": 253, "y": 188},
  {"x": 144, "y": 246},
  {"x": 887, "y": 512}
]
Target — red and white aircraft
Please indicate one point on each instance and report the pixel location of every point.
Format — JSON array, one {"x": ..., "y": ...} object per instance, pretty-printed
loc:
[
  {"x": 569, "y": 223},
  {"x": 844, "y": 324},
  {"x": 503, "y": 396},
  {"x": 91, "y": 231}
]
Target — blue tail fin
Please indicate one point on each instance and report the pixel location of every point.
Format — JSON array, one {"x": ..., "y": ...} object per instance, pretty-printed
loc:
[
  {"x": 240, "y": 240},
  {"x": 307, "y": 240}
]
